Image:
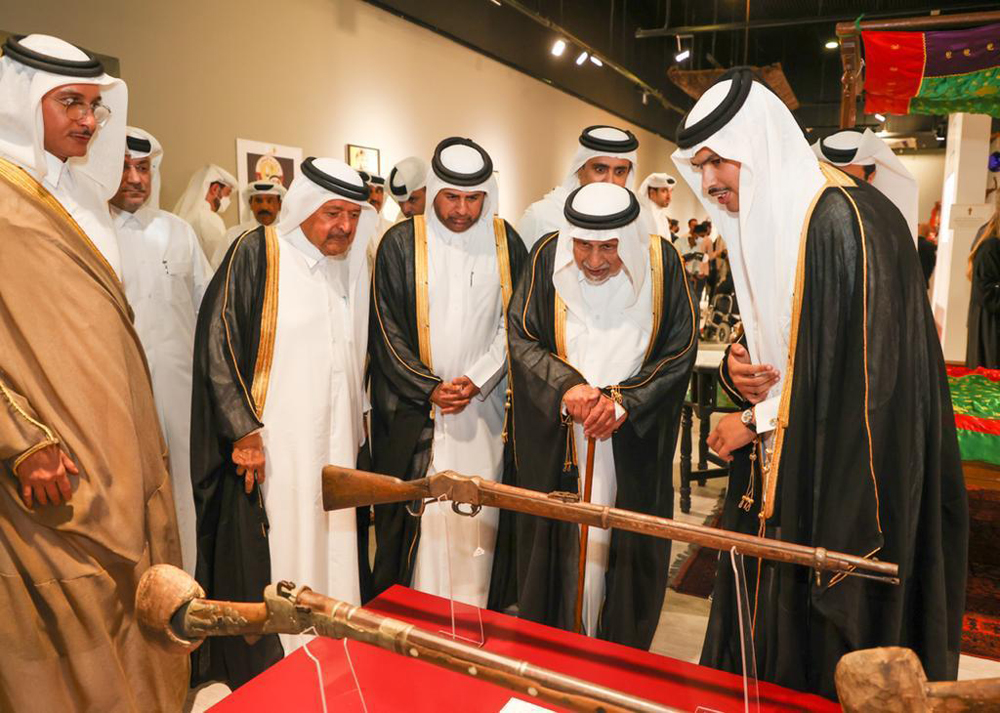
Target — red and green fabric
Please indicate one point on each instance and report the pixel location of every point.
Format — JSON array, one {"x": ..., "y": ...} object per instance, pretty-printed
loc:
[
  {"x": 975, "y": 396},
  {"x": 937, "y": 72}
]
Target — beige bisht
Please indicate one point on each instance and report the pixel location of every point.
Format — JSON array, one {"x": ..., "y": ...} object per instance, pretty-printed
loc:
[{"x": 72, "y": 372}]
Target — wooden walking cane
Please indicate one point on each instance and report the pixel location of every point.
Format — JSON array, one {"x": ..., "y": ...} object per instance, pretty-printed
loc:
[{"x": 588, "y": 483}]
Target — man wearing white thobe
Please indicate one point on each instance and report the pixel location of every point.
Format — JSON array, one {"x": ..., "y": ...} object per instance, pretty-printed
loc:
[
  {"x": 299, "y": 290},
  {"x": 457, "y": 367},
  {"x": 655, "y": 194},
  {"x": 606, "y": 154},
  {"x": 263, "y": 201},
  {"x": 164, "y": 274},
  {"x": 202, "y": 204}
]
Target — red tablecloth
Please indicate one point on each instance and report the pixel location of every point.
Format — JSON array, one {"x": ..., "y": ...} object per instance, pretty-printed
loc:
[{"x": 394, "y": 683}]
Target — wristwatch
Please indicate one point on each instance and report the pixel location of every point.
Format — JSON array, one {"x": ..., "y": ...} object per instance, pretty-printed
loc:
[{"x": 748, "y": 419}]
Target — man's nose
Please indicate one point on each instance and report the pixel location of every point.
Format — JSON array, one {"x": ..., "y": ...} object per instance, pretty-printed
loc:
[
  {"x": 462, "y": 208},
  {"x": 88, "y": 121}
]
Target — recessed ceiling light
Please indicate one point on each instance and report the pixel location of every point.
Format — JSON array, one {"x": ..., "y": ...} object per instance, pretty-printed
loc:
[
  {"x": 683, "y": 55},
  {"x": 596, "y": 61},
  {"x": 832, "y": 45},
  {"x": 558, "y": 47},
  {"x": 581, "y": 58},
  {"x": 880, "y": 117}
]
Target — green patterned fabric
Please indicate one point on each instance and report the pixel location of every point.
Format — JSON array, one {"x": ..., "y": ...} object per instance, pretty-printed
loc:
[
  {"x": 975, "y": 92},
  {"x": 975, "y": 399}
]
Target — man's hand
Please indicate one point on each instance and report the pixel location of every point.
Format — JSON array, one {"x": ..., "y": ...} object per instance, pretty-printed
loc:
[
  {"x": 43, "y": 477},
  {"x": 248, "y": 455},
  {"x": 466, "y": 389},
  {"x": 601, "y": 421},
  {"x": 450, "y": 398},
  {"x": 730, "y": 435},
  {"x": 580, "y": 400},
  {"x": 753, "y": 381}
]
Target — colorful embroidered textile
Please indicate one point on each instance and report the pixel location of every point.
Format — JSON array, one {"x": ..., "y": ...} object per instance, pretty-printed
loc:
[
  {"x": 933, "y": 72},
  {"x": 975, "y": 396}
]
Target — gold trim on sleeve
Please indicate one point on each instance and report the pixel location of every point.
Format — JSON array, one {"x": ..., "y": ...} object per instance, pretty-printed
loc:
[
  {"x": 225, "y": 324},
  {"x": 656, "y": 271},
  {"x": 420, "y": 286},
  {"x": 268, "y": 323}
]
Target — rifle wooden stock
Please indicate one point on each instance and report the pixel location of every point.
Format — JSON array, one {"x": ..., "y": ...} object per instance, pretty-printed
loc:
[
  {"x": 344, "y": 487},
  {"x": 170, "y": 610}
]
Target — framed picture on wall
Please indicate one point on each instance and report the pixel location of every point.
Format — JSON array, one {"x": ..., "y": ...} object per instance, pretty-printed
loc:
[
  {"x": 261, "y": 161},
  {"x": 364, "y": 158}
]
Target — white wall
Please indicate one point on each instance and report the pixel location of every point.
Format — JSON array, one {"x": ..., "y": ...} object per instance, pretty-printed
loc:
[
  {"x": 928, "y": 169},
  {"x": 320, "y": 74}
]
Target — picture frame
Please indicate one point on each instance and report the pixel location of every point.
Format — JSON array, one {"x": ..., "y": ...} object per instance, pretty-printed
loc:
[
  {"x": 263, "y": 161},
  {"x": 364, "y": 158}
]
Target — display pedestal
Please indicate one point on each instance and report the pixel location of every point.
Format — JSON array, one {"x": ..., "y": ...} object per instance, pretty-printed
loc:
[{"x": 391, "y": 682}]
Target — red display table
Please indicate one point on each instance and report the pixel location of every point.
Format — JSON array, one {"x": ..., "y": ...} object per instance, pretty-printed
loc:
[{"x": 391, "y": 682}]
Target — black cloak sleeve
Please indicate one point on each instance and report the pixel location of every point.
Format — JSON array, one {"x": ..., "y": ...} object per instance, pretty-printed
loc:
[
  {"x": 983, "y": 346},
  {"x": 868, "y": 464},
  {"x": 233, "y": 557}
]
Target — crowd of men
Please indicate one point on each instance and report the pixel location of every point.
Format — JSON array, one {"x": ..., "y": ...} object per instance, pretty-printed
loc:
[{"x": 320, "y": 334}]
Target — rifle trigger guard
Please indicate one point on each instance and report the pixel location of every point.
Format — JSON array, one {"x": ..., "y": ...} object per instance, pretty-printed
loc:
[
  {"x": 473, "y": 509},
  {"x": 420, "y": 510}
]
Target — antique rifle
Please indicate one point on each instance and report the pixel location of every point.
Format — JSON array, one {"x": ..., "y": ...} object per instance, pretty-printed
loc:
[
  {"x": 173, "y": 612},
  {"x": 347, "y": 488}
]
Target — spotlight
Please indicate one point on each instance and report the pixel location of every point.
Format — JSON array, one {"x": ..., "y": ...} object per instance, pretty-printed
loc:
[
  {"x": 496, "y": 2},
  {"x": 832, "y": 45},
  {"x": 581, "y": 58},
  {"x": 596, "y": 61},
  {"x": 558, "y": 47},
  {"x": 880, "y": 117},
  {"x": 683, "y": 55},
  {"x": 939, "y": 138}
]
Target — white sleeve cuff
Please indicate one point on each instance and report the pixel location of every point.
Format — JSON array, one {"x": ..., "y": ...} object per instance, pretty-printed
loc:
[{"x": 766, "y": 414}]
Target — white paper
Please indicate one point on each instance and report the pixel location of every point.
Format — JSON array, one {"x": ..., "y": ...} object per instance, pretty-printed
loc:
[{"x": 516, "y": 705}]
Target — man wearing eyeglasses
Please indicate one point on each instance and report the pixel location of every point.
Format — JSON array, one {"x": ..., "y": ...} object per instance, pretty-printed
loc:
[{"x": 86, "y": 504}]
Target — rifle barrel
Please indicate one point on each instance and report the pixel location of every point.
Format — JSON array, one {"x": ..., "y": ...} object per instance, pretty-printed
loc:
[{"x": 521, "y": 500}]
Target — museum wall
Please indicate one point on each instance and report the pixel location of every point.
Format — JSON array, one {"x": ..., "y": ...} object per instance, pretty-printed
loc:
[{"x": 319, "y": 74}]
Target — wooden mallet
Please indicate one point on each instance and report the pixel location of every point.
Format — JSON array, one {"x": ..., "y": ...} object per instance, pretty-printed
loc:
[{"x": 892, "y": 680}]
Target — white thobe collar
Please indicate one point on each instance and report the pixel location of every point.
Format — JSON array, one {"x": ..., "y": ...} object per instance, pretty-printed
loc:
[
  {"x": 138, "y": 220},
  {"x": 300, "y": 242},
  {"x": 334, "y": 268},
  {"x": 56, "y": 169}
]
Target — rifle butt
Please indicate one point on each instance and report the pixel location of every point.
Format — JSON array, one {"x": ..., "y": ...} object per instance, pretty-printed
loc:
[{"x": 350, "y": 488}]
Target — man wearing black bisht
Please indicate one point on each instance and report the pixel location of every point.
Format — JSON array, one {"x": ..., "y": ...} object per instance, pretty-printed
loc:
[
  {"x": 602, "y": 339},
  {"x": 440, "y": 289},
  {"x": 278, "y": 393},
  {"x": 983, "y": 346},
  {"x": 847, "y": 438}
]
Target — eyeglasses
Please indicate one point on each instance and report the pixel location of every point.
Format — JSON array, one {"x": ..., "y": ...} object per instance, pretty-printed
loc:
[{"x": 77, "y": 110}]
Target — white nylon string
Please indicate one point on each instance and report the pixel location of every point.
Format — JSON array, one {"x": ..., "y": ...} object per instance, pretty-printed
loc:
[{"x": 319, "y": 668}]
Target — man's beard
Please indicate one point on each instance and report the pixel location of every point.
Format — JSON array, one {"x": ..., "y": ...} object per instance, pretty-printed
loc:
[{"x": 595, "y": 281}]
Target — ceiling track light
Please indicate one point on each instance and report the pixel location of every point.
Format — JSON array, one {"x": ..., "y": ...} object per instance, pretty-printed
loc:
[
  {"x": 582, "y": 57},
  {"x": 558, "y": 47},
  {"x": 596, "y": 61}
]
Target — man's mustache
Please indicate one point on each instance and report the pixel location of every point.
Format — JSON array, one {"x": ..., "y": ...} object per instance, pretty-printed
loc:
[
  {"x": 265, "y": 212},
  {"x": 716, "y": 190}
]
